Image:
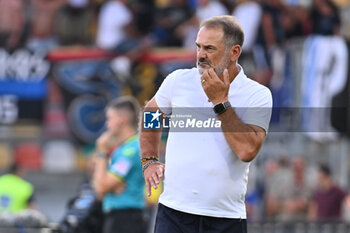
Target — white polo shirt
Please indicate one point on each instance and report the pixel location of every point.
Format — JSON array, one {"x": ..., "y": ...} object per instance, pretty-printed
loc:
[{"x": 202, "y": 174}]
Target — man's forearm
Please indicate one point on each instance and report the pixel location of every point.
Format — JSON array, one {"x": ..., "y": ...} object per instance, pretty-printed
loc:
[
  {"x": 149, "y": 142},
  {"x": 149, "y": 145},
  {"x": 149, "y": 138},
  {"x": 99, "y": 175},
  {"x": 100, "y": 168},
  {"x": 243, "y": 139}
]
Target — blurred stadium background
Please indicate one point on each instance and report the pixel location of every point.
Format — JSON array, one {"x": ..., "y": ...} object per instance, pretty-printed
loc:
[{"x": 61, "y": 61}]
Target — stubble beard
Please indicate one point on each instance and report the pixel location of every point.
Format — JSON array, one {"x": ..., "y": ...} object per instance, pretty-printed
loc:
[
  {"x": 219, "y": 69},
  {"x": 201, "y": 69}
]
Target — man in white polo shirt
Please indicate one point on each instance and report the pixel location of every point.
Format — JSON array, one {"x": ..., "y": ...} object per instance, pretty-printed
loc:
[{"x": 206, "y": 173}]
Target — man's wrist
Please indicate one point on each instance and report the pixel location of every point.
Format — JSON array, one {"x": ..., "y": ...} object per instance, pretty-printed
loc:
[
  {"x": 146, "y": 165},
  {"x": 214, "y": 102},
  {"x": 145, "y": 160}
]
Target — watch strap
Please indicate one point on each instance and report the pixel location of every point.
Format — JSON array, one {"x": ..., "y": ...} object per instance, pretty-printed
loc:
[{"x": 220, "y": 108}]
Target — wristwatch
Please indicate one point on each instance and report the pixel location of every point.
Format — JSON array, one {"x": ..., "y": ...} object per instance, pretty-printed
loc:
[{"x": 220, "y": 108}]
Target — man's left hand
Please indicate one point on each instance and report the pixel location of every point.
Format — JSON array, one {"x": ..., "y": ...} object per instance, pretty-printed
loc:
[
  {"x": 103, "y": 142},
  {"x": 215, "y": 88},
  {"x": 120, "y": 188}
]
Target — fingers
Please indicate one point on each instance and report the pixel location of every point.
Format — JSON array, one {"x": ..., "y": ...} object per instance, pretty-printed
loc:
[
  {"x": 203, "y": 80},
  {"x": 155, "y": 179},
  {"x": 104, "y": 140},
  {"x": 205, "y": 75},
  {"x": 153, "y": 182},
  {"x": 212, "y": 74},
  {"x": 160, "y": 171},
  {"x": 107, "y": 135},
  {"x": 209, "y": 74},
  {"x": 152, "y": 179},
  {"x": 148, "y": 187}
]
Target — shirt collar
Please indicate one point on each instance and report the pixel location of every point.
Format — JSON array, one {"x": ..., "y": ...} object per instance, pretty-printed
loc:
[{"x": 239, "y": 77}]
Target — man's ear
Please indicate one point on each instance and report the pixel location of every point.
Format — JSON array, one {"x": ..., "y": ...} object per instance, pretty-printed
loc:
[{"x": 235, "y": 52}]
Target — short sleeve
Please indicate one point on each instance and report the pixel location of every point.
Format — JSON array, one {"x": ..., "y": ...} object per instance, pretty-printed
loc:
[
  {"x": 123, "y": 163},
  {"x": 163, "y": 96},
  {"x": 259, "y": 110}
]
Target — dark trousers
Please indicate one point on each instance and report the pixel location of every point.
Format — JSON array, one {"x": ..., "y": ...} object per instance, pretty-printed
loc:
[
  {"x": 173, "y": 221},
  {"x": 124, "y": 221}
]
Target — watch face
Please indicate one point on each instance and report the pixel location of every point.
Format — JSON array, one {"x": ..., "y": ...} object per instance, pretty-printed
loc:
[{"x": 219, "y": 108}]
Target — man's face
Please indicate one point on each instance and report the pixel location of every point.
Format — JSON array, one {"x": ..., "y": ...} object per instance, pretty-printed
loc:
[
  {"x": 114, "y": 121},
  {"x": 322, "y": 177},
  {"x": 211, "y": 50}
]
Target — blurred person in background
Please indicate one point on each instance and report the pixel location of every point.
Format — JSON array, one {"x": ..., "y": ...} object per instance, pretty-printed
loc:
[
  {"x": 292, "y": 204},
  {"x": 298, "y": 21},
  {"x": 269, "y": 36},
  {"x": 73, "y": 23},
  {"x": 84, "y": 207},
  {"x": 209, "y": 8},
  {"x": 248, "y": 12},
  {"x": 204, "y": 10},
  {"x": 118, "y": 180},
  {"x": 168, "y": 19},
  {"x": 144, "y": 12},
  {"x": 278, "y": 177},
  {"x": 12, "y": 23},
  {"x": 113, "y": 19},
  {"x": 16, "y": 194},
  {"x": 328, "y": 199},
  {"x": 325, "y": 17},
  {"x": 271, "y": 30},
  {"x": 281, "y": 22},
  {"x": 126, "y": 29},
  {"x": 43, "y": 15}
]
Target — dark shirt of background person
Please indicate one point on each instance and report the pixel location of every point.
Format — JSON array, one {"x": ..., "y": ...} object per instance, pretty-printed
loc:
[{"x": 326, "y": 19}]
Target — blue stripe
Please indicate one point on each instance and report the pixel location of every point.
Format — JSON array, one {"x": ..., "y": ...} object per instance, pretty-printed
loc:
[{"x": 24, "y": 90}]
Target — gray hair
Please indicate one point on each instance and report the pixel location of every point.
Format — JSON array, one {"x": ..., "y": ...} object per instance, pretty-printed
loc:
[{"x": 233, "y": 32}]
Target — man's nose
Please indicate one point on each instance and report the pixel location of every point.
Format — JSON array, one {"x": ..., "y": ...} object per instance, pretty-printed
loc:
[{"x": 201, "y": 53}]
